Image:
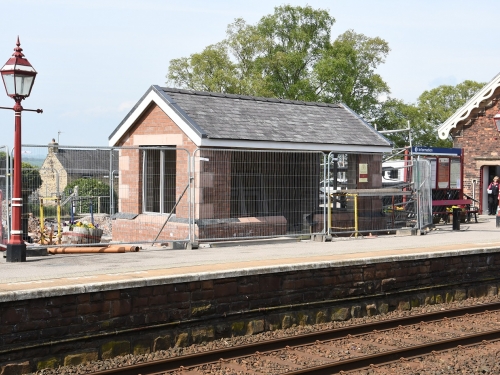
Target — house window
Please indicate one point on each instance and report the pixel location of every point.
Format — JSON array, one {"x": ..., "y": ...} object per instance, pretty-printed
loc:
[{"x": 159, "y": 178}]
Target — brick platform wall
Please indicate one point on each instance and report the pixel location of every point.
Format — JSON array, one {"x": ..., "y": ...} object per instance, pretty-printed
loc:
[
  {"x": 147, "y": 227},
  {"x": 245, "y": 227},
  {"x": 226, "y": 307}
]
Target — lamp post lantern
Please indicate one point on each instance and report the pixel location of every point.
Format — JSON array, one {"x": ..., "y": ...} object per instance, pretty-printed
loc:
[
  {"x": 496, "y": 118},
  {"x": 18, "y": 77}
]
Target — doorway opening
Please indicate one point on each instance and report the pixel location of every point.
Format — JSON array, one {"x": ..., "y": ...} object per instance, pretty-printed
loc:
[{"x": 489, "y": 171}]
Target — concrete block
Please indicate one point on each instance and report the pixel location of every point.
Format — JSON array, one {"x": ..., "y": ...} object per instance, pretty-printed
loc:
[
  {"x": 174, "y": 245},
  {"x": 318, "y": 238},
  {"x": 36, "y": 251},
  {"x": 406, "y": 232}
]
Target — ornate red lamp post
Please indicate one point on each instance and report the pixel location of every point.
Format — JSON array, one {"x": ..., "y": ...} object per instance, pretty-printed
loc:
[{"x": 18, "y": 77}]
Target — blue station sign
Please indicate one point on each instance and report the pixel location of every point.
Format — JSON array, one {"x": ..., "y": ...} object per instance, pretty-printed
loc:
[{"x": 427, "y": 150}]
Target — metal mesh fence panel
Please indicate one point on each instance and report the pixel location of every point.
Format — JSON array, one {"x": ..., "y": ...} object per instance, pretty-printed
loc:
[
  {"x": 423, "y": 189},
  {"x": 82, "y": 195},
  {"x": 249, "y": 194},
  {"x": 4, "y": 197},
  {"x": 363, "y": 194}
]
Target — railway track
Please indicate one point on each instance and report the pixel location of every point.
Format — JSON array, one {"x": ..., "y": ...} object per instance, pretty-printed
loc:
[{"x": 336, "y": 350}]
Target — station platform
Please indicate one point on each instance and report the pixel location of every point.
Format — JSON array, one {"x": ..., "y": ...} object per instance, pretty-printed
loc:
[
  {"x": 63, "y": 274},
  {"x": 67, "y": 309}
]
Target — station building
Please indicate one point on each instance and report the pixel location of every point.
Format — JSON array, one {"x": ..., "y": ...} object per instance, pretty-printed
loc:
[
  {"x": 252, "y": 165},
  {"x": 474, "y": 130}
]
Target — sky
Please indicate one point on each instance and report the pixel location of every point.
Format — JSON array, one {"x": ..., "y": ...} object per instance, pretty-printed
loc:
[{"x": 96, "y": 58}]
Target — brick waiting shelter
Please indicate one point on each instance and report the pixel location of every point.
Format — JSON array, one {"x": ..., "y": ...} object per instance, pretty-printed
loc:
[
  {"x": 473, "y": 129},
  {"x": 263, "y": 153}
]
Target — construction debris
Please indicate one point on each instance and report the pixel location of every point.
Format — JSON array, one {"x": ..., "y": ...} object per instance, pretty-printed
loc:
[{"x": 50, "y": 233}]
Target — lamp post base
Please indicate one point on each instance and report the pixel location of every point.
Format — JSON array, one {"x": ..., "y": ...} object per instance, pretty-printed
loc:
[{"x": 16, "y": 252}]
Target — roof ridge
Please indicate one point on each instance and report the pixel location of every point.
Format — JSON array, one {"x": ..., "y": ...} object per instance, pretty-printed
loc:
[{"x": 247, "y": 97}]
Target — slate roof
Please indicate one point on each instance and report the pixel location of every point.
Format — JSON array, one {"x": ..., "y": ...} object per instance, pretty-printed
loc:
[
  {"x": 237, "y": 117},
  {"x": 226, "y": 116},
  {"x": 79, "y": 161}
]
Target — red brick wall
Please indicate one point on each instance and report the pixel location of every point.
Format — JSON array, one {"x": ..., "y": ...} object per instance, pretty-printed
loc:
[
  {"x": 147, "y": 227},
  {"x": 214, "y": 185},
  {"x": 153, "y": 122},
  {"x": 480, "y": 142}
]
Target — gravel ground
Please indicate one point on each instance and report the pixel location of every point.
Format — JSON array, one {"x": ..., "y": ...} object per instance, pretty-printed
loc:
[{"x": 478, "y": 360}]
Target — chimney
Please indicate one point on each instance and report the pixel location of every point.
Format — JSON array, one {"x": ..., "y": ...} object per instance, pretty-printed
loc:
[{"x": 53, "y": 147}]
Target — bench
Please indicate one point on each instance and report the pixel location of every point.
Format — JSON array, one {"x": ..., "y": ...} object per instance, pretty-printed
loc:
[{"x": 456, "y": 202}]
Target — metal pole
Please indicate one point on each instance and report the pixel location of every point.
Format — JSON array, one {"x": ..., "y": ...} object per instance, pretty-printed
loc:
[
  {"x": 42, "y": 223},
  {"x": 8, "y": 192},
  {"x": 111, "y": 184},
  {"x": 356, "y": 226},
  {"x": 59, "y": 229},
  {"x": 91, "y": 211},
  {"x": 16, "y": 248}
]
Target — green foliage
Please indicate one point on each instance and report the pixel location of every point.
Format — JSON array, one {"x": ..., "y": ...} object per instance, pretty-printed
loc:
[
  {"x": 395, "y": 114},
  {"x": 31, "y": 179},
  {"x": 90, "y": 189},
  {"x": 433, "y": 107},
  {"x": 289, "y": 55},
  {"x": 294, "y": 40},
  {"x": 210, "y": 70},
  {"x": 440, "y": 103},
  {"x": 49, "y": 211},
  {"x": 347, "y": 72}
]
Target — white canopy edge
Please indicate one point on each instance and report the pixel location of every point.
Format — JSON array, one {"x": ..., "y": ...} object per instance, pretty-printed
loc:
[{"x": 463, "y": 112}]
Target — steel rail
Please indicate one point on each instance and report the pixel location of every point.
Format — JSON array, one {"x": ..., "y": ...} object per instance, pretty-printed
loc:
[
  {"x": 393, "y": 355},
  {"x": 196, "y": 359}
]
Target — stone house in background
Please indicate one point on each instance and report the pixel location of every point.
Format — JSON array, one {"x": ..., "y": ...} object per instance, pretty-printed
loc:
[
  {"x": 227, "y": 137},
  {"x": 473, "y": 129},
  {"x": 64, "y": 165}
]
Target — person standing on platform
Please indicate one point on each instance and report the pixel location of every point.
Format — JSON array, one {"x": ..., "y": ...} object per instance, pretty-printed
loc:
[{"x": 493, "y": 196}]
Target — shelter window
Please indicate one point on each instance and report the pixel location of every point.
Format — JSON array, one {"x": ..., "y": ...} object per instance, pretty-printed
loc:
[{"x": 159, "y": 179}]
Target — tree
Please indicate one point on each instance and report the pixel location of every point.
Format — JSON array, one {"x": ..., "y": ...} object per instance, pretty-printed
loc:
[
  {"x": 432, "y": 108},
  {"x": 30, "y": 174},
  {"x": 289, "y": 55},
  {"x": 210, "y": 70},
  {"x": 440, "y": 103},
  {"x": 31, "y": 179},
  {"x": 90, "y": 189},
  {"x": 246, "y": 44},
  {"x": 394, "y": 114},
  {"x": 294, "y": 40},
  {"x": 347, "y": 72}
]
